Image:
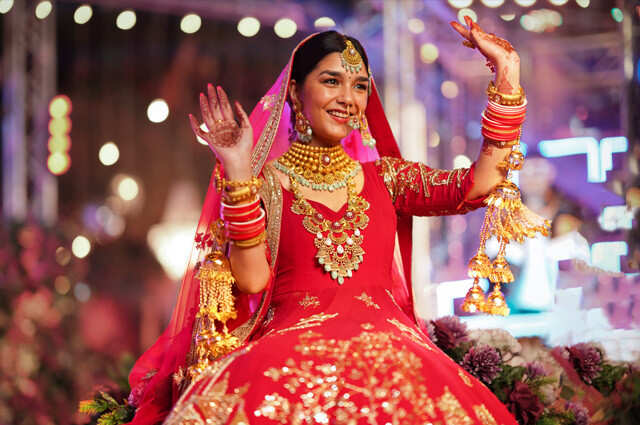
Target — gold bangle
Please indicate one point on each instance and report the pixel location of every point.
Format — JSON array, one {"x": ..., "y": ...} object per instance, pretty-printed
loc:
[
  {"x": 504, "y": 98},
  {"x": 250, "y": 243},
  {"x": 502, "y": 144}
]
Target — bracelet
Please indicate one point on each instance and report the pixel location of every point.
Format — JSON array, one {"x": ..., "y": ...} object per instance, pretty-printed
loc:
[
  {"x": 250, "y": 243},
  {"x": 241, "y": 195},
  {"x": 242, "y": 208},
  {"x": 503, "y": 98}
]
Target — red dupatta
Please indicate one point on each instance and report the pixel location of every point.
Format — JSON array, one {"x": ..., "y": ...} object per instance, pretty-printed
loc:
[{"x": 152, "y": 379}]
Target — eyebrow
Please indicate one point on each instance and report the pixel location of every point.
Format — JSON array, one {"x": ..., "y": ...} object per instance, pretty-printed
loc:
[{"x": 340, "y": 74}]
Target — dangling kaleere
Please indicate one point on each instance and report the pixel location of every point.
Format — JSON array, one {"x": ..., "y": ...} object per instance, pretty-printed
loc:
[{"x": 507, "y": 218}]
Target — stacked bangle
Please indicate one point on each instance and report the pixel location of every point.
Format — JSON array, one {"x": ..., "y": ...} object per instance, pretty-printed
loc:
[
  {"x": 501, "y": 125},
  {"x": 503, "y": 98},
  {"x": 245, "y": 223},
  {"x": 236, "y": 191}
]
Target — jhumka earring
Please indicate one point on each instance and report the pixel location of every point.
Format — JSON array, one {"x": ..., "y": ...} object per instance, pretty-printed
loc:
[
  {"x": 303, "y": 128},
  {"x": 367, "y": 138}
]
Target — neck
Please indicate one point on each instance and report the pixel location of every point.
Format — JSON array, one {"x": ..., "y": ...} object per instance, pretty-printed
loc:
[{"x": 316, "y": 142}]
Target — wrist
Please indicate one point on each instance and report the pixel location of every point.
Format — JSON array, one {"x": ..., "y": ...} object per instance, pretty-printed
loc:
[{"x": 238, "y": 172}]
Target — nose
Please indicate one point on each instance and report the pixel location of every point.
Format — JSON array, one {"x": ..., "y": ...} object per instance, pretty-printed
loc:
[{"x": 347, "y": 98}]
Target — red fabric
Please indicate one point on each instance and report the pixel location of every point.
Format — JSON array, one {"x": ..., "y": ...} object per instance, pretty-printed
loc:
[{"x": 321, "y": 340}]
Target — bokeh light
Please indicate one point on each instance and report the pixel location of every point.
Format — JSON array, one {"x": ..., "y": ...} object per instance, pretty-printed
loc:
[
  {"x": 60, "y": 106},
  {"x": 415, "y": 25},
  {"x": 434, "y": 139},
  {"x": 81, "y": 247},
  {"x": 190, "y": 23},
  {"x": 617, "y": 14},
  {"x": 449, "y": 89},
  {"x": 248, "y": 26},
  {"x": 43, "y": 9},
  {"x": 459, "y": 4},
  {"x": 324, "y": 22},
  {"x": 82, "y": 292},
  {"x": 508, "y": 17},
  {"x": 583, "y": 3},
  {"x": 558, "y": 2},
  {"x": 493, "y": 3},
  {"x": 128, "y": 188},
  {"x": 59, "y": 143},
  {"x": 200, "y": 140},
  {"x": 59, "y": 126},
  {"x": 109, "y": 154},
  {"x": 461, "y": 161},
  {"x": 62, "y": 285},
  {"x": 285, "y": 28},
  {"x": 429, "y": 52},
  {"x": 82, "y": 14},
  {"x": 467, "y": 12},
  {"x": 525, "y": 3},
  {"x": 63, "y": 256},
  {"x": 5, "y": 5},
  {"x": 158, "y": 111},
  {"x": 126, "y": 19},
  {"x": 58, "y": 163}
]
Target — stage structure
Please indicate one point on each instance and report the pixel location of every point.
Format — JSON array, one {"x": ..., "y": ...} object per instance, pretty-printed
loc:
[{"x": 29, "y": 189}]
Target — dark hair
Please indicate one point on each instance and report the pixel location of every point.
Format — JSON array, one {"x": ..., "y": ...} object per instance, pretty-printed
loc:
[{"x": 316, "y": 48}]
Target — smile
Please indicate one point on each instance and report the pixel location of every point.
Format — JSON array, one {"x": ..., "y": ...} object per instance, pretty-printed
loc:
[{"x": 339, "y": 116}]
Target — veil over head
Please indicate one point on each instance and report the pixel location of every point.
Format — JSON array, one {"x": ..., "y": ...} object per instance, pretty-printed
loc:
[{"x": 156, "y": 375}]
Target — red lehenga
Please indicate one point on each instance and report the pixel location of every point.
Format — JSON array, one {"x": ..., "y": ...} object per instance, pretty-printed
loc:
[{"x": 346, "y": 354}]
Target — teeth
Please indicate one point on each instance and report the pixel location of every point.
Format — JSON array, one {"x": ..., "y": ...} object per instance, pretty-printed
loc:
[{"x": 338, "y": 114}]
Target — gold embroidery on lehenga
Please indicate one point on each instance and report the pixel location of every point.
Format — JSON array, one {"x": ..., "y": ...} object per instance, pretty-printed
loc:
[
  {"x": 359, "y": 378},
  {"x": 367, "y": 300},
  {"x": 309, "y": 322},
  {"x": 410, "y": 333},
  {"x": 484, "y": 415},
  {"x": 367, "y": 326},
  {"x": 465, "y": 378},
  {"x": 452, "y": 410},
  {"x": 309, "y": 301},
  {"x": 268, "y": 317},
  {"x": 393, "y": 299}
]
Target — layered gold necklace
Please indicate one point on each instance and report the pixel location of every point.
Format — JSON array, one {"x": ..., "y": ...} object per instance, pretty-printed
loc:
[
  {"x": 319, "y": 168},
  {"x": 338, "y": 242}
]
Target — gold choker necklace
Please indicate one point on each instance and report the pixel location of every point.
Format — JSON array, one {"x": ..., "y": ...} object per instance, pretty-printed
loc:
[{"x": 318, "y": 168}]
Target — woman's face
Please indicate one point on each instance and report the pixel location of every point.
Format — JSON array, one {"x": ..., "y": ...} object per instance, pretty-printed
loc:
[{"x": 329, "y": 97}]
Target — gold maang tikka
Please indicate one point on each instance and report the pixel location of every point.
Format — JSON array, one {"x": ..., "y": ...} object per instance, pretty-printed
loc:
[{"x": 351, "y": 59}]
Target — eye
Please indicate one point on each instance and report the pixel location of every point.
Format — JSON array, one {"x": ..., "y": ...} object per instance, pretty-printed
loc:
[
  {"x": 331, "y": 81},
  {"x": 362, "y": 86}
]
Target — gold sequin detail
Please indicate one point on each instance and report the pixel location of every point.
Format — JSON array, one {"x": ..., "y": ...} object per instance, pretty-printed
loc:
[
  {"x": 367, "y": 300},
  {"x": 452, "y": 410},
  {"x": 484, "y": 415},
  {"x": 309, "y": 301},
  {"x": 465, "y": 378},
  {"x": 393, "y": 299},
  {"x": 335, "y": 375},
  {"x": 366, "y": 326},
  {"x": 269, "y": 316},
  {"x": 309, "y": 322},
  {"x": 410, "y": 333}
]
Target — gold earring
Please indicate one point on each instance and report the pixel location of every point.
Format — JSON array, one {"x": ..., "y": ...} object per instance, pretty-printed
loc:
[
  {"x": 367, "y": 138},
  {"x": 303, "y": 127}
]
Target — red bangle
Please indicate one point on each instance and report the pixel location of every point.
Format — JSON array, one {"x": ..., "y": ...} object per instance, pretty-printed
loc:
[
  {"x": 245, "y": 236},
  {"x": 238, "y": 209},
  {"x": 242, "y": 218}
]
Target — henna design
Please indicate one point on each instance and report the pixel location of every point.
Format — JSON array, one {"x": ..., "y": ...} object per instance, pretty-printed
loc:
[
  {"x": 487, "y": 148},
  {"x": 225, "y": 133}
]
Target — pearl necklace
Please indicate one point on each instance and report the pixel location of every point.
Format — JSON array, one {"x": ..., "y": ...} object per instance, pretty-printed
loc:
[{"x": 318, "y": 168}]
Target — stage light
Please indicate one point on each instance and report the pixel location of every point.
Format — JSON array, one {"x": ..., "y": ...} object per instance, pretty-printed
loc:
[
  {"x": 508, "y": 17},
  {"x": 109, "y": 154},
  {"x": 248, "y": 26},
  {"x": 324, "y": 22},
  {"x": 558, "y": 2},
  {"x": 128, "y": 189},
  {"x": 158, "y": 111},
  {"x": 467, "y": 12},
  {"x": 80, "y": 246},
  {"x": 63, "y": 256},
  {"x": 5, "y": 6},
  {"x": 126, "y": 19},
  {"x": 58, "y": 163},
  {"x": 525, "y": 3},
  {"x": 459, "y": 4},
  {"x": 434, "y": 139},
  {"x": 461, "y": 161},
  {"x": 285, "y": 28},
  {"x": 200, "y": 140},
  {"x": 493, "y": 3},
  {"x": 616, "y": 217},
  {"x": 59, "y": 126},
  {"x": 82, "y": 292},
  {"x": 429, "y": 52},
  {"x": 415, "y": 25},
  {"x": 449, "y": 89},
  {"x": 190, "y": 23},
  {"x": 60, "y": 106},
  {"x": 43, "y": 9},
  {"x": 617, "y": 14},
  {"x": 531, "y": 23},
  {"x": 583, "y": 3},
  {"x": 62, "y": 285},
  {"x": 82, "y": 14},
  {"x": 59, "y": 143}
]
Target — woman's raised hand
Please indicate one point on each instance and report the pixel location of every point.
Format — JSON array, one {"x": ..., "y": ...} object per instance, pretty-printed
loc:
[
  {"x": 230, "y": 139},
  {"x": 501, "y": 56}
]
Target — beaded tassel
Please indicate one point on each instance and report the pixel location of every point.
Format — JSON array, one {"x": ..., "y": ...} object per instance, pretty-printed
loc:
[
  {"x": 474, "y": 302},
  {"x": 216, "y": 305}
]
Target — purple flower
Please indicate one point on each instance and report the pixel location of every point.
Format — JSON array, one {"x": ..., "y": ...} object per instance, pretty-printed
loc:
[
  {"x": 448, "y": 332},
  {"x": 535, "y": 370},
  {"x": 524, "y": 404},
  {"x": 483, "y": 362},
  {"x": 135, "y": 396},
  {"x": 586, "y": 360},
  {"x": 580, "y": 413}
]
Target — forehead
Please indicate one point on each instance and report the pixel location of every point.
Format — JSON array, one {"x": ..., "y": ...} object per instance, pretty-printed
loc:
[{"x": 333, "y": 62}]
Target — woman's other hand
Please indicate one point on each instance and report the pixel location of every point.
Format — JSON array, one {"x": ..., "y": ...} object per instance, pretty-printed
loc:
[
  {"x": 500, "y": 55},
  {"x": 230, "y": 136}
]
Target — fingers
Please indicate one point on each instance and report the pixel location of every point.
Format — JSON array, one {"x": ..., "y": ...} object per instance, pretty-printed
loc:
[
  {"x": 227, "y": 112},
  {"x": 461, "y": 30},
  {"x": 244, "y": 119},
  {"x": 215, "y": 103},
  {"x": 207, "y": 116},
  {"x": 195, "y": 127}
]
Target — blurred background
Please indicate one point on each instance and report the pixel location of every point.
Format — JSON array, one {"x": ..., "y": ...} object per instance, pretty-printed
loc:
[{"x": 103, "y": 180}]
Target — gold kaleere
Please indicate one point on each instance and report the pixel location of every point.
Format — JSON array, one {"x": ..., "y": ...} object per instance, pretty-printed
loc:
[
  {"x": 474, "y": 301},
  {"x": 216, "y": 307},
  {"x": 496, "y": 303}
]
